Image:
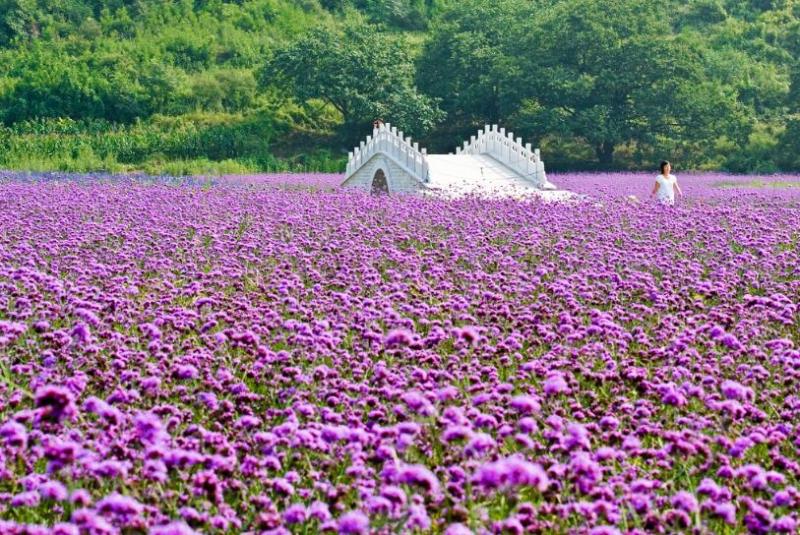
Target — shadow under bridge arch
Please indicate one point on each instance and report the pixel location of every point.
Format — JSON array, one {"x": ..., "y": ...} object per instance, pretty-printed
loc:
[{"x": 380, "y": 185}]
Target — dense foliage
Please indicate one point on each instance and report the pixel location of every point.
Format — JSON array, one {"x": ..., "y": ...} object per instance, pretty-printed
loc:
[
  {"x": 228, "y": 358},
  {"x": 708, "y": 83},
  {"x": 361, "y": 73}
]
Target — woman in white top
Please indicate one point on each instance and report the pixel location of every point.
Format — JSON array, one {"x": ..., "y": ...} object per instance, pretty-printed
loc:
[{"x": 666, "y": 185}]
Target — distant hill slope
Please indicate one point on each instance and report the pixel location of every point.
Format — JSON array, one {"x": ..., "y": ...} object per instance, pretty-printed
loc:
[{"x": 179, "y": 86}]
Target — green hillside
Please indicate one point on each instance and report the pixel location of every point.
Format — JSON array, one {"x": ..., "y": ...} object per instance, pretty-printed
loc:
[{"x": 263, "y": 85}]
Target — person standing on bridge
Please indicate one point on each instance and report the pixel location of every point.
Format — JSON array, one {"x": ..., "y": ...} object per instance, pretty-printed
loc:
[{"x": 666, "y": 185}]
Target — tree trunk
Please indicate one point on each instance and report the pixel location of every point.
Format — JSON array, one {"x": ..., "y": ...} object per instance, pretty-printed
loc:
[{"x": 605, "y": 152}]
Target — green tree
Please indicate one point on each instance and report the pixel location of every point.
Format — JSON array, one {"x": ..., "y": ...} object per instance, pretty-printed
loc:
[
  {"x": 361, "y": 72},
  {"x": 788, "y": 149},
  {"x": 611, "y": 72},
  {"x": 17, "y": 20},
  {"x": 471, "y": 44}
]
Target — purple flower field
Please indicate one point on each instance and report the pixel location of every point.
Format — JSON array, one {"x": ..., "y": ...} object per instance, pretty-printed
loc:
[{"x": 236, "y": 356}]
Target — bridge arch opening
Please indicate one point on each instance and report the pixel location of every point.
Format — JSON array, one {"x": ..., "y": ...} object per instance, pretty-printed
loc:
[{"x": 379, "y": 184}]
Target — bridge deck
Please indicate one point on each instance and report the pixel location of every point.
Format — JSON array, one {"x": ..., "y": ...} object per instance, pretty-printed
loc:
[{"x": 481, "y": 174}]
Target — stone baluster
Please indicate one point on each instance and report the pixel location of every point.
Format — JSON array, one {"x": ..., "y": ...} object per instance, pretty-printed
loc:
[{"x": 528, "y": 159}]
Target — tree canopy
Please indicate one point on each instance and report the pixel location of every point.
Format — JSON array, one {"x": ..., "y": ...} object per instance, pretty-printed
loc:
[
  {"x": 611, "y": 73},
  {"x": 362, "y": 73}
]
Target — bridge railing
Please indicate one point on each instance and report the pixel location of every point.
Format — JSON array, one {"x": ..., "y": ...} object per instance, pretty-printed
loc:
[
  {"x": 509, "y": 151},
  {"x": 388, "y": 140}
]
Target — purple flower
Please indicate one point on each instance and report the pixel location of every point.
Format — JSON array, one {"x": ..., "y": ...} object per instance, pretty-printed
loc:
[
  {"x": 282, "y": 486},
  {"x": 685, "y": 501},
  {"x": 394, "y": 494},
  {"x": 82, "y": 334},
  {"x": 577, "y": 437},
  {"x": 609, "y": 422},
  {"x": 155, "y": 470},
  {"x": 521, "y": 473},
  {"x": 80, "y": 497},
  {"x": 110, "y": 469},
  {"x": 55, "y": 403},
  {"x": 63, "y": 528},
  {"x": 30, "y": 498},
  {"x": 186, "y": 371},
  {"x": 174, "y": 528},
  {"x": 418, "y": 475},
  {"x": 727, "y": 511},
  {"x": 733, "y": 390},
  {"x": 479, "y": 444},
  {"x": 587, "y": 473},
  {"x": 53, "y": 490},
  {"x": 511, "y": 472},
  {"x": 716, "y": 332},
  {"x": 418, "y": 518},
  {"x": 295, "y": 514},
  {"x": 398, "y": 337},
  {"x": 118, "y": 505},
  {"x": 14, "y": 435},
  {"x": 785, "y": 524},
  {"x": 782, "y": 498},
  {"x": 457, "y": 529},
  {"x": 149, "y": 429},
  {"x": 730, "y": 341},
  {"x": 604, "y": 530},
  {"x": 525, "y": 404},
  {"x": 418, "y": 403},
  {"x": 192, "y": 515},
  {"x": 319, "y": 511},
  {"x": 709, "y": 487},
  {"x": 469, "y": 333},
  {"x": 379, "y": 505},
  {"x": 671, "y": 395},
  {"x": 555, "y": 384},
  {"x": 455, "y": 433},
  {"x": 91, "y": 522},
  {"x": 353, "y": 523}
]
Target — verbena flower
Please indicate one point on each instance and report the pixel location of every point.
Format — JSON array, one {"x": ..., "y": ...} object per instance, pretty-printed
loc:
[
  {"x": 353, "y": 523},
  {"x": 55, "y": 403}
]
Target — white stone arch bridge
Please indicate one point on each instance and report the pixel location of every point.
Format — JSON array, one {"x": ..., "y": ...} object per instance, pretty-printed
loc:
[{"x": 492, "y": 163}]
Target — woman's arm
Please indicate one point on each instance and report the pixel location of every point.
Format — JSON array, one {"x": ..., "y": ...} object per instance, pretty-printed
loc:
[
  {"x": 678, "y": 188},
  {"x": 655, "y": 189}
]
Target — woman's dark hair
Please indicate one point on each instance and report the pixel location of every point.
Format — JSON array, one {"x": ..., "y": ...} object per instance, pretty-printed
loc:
[{"x": 664, "y": 163}]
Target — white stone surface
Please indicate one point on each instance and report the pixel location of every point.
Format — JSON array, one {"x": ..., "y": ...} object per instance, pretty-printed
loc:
[
  {"x": 510, "y": 151},
  {"x": 398, "y": 178},
  {"x": 454, "y": 176}
]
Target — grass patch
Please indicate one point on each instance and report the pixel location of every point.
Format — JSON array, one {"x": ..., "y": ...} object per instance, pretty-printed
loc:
[{"x": 732, "y": 184}]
